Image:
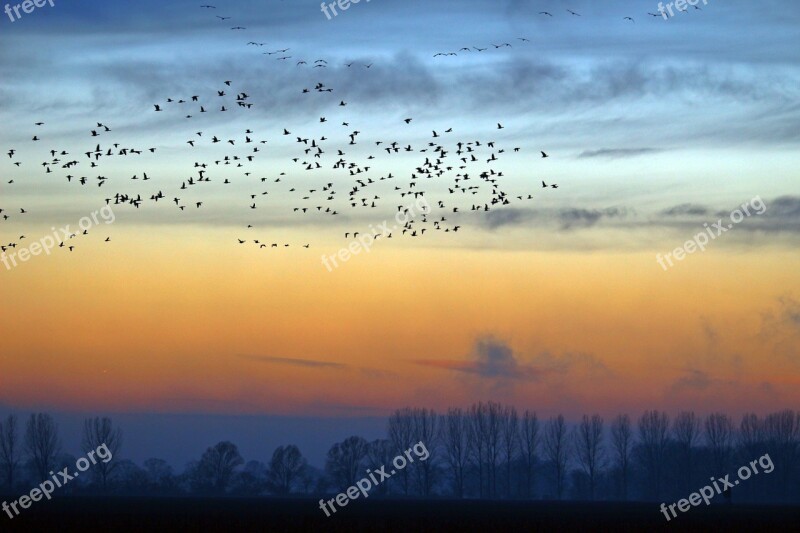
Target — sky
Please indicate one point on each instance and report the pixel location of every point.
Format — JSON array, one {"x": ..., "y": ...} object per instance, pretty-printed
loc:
[{"x": 556, "y": 303}]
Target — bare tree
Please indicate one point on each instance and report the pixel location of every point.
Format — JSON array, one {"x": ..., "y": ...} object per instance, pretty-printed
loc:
[
  {"x": 654, "y": 437},
  {"x": 590, "y": 453},
  {"x": 42, "y": 443},
  {"x": 686, "y": 432},
  {"x": 98, "y": 432},
  {"x": 509, "y": 427},
  {"x": 160, "y": 476},
  {"x": 478, "y": 421},
  {"x": 379, "y": 453},
  {"x": 555, "y": 449},
  {"x": 492, "y": 427},
  {"x": 401, "y": 435},
  {"x": 456, "y": 443},
  {"x": 425, "y": 424},
  {"x": 217, "y": 467},
  {"x": 345, "y": 461},
  {"x": 622, "y": 441},
  {"x": 285, "y": 469},
  {"x": 719, "y": 433},
  {"x": 782, "y": 434},
  {"x": 528, "y": 445},
  {"x": 751, "y": 436},
  {"x": 9, "y": 448}
]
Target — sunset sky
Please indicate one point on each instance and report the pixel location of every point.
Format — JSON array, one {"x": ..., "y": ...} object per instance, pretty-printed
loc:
[{"x": 555, "y": 304}]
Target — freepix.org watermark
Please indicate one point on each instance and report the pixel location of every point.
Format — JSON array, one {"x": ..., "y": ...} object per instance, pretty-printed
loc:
[
  {"x": 27, "y": 7},
  {"x": 344, "y": 5},
  {"x": 680, "y": 5},
  {"x": 47, "y": 487},
  {"x": 719, "y": 486},
  {"x": 365, "y": 241},
  {"x": 699, "y": 241},
  {"x": 47, "y": 243},
  {"x": 362, "y": 487}
]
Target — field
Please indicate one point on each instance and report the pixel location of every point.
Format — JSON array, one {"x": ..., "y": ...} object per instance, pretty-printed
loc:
[{"x": 198, "y": 514}]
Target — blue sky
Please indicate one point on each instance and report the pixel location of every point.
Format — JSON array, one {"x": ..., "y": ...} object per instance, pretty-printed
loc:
[{"x": 653, "y": 127}]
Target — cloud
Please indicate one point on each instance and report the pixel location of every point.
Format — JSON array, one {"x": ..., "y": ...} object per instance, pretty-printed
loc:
[
  {"x": 692, "y": 380},
  {"x": 617, "y": 153},
  {"x": 781, "y": 327},
  {"x": 566, "y": 219},
  {"x": 512, "y": 216},
  {"x": 572, "y": 363},
  {"x": 494, "y": 359},
  {"x": 309, "y": 363},
  {"x": 490, "y": 358},
  {"x": 779, "y": 215},
  {"x": 785, "y": 207},
  {"x": 306, "y": 363},
  {"x": 683, "y": 210}
]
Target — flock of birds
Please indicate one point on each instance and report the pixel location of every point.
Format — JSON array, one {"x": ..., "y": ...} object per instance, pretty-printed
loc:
[
  {"x": 339, "y": 179},
  {"x": 453, "y": 175}
]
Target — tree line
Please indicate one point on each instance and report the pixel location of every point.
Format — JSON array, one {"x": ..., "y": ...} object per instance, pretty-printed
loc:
[{"x": 488, "y": 450}]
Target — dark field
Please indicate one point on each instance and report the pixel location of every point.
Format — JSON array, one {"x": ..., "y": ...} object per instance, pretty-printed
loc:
[{"x": 197, "y": 514}]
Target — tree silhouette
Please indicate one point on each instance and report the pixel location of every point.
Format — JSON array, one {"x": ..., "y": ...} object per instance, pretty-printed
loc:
[
  {"x": 401, "y": 435},
  {"x": 285, "y": 469},
  {"x": 653, "y": 437},
  {"x": 42, "y": 444},
  {"x": 216, "y": 468},
  {"x": 345, "y": 461},
  {"x": 456, "y": 443},
  {"x": 622, "y": 442},
  {"x": 509, "y": 426},
  {"x": 686, "y": 432},
  {"x": 719, "y": 434},
  {"x": 556, "y": 450},
  {"x": 99, "y": 432},
  {"x": 589, "y": 450},
  {"x": 528, "y": 445},
  {"x": 9, "y": 448}
]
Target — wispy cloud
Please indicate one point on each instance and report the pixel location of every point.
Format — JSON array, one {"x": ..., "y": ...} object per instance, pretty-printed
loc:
[
  {"x": 494, "y": 359},
  {"x": 306, "y": 363},
  {"x": 617, "y": 153}
]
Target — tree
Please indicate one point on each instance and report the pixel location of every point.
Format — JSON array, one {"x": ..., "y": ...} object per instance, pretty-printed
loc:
[
  {"x": 782, "y": 434},
  {"x": 686, "y": 432},
  {"x": 528, "y": 445},
  {"x": 751, "y": 436},
  {"x": 456, "y": 444},
  {"x": 622, "y": 442},
  {"x": 42, "y": 444},
  {"x": 216, "y": 468},
  {"x": 129, "y": 478},
  {"x": 401, "y": 435},
  {"x": 99, "y": 432},
  {"x": 509, "y": 426},
  {"x": 345, "y": 460},
  {"x": 555, "y": 449},
  {"x": 477, "y": 422},
  {"x": 9, "y": 448},
  {"x": 286, "y": 468},
  {"x": 380, "y": 452},
  {"x": 589, "y": 451},
  {"x": 653, "y": 438},
  {"x": 251, "y": 480},
  {"x": 160, "y": 477},
  {"x": 425, "y": 424},
  {"x": 492, "y": 439},
  {"x": 719, "y": 434}
]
